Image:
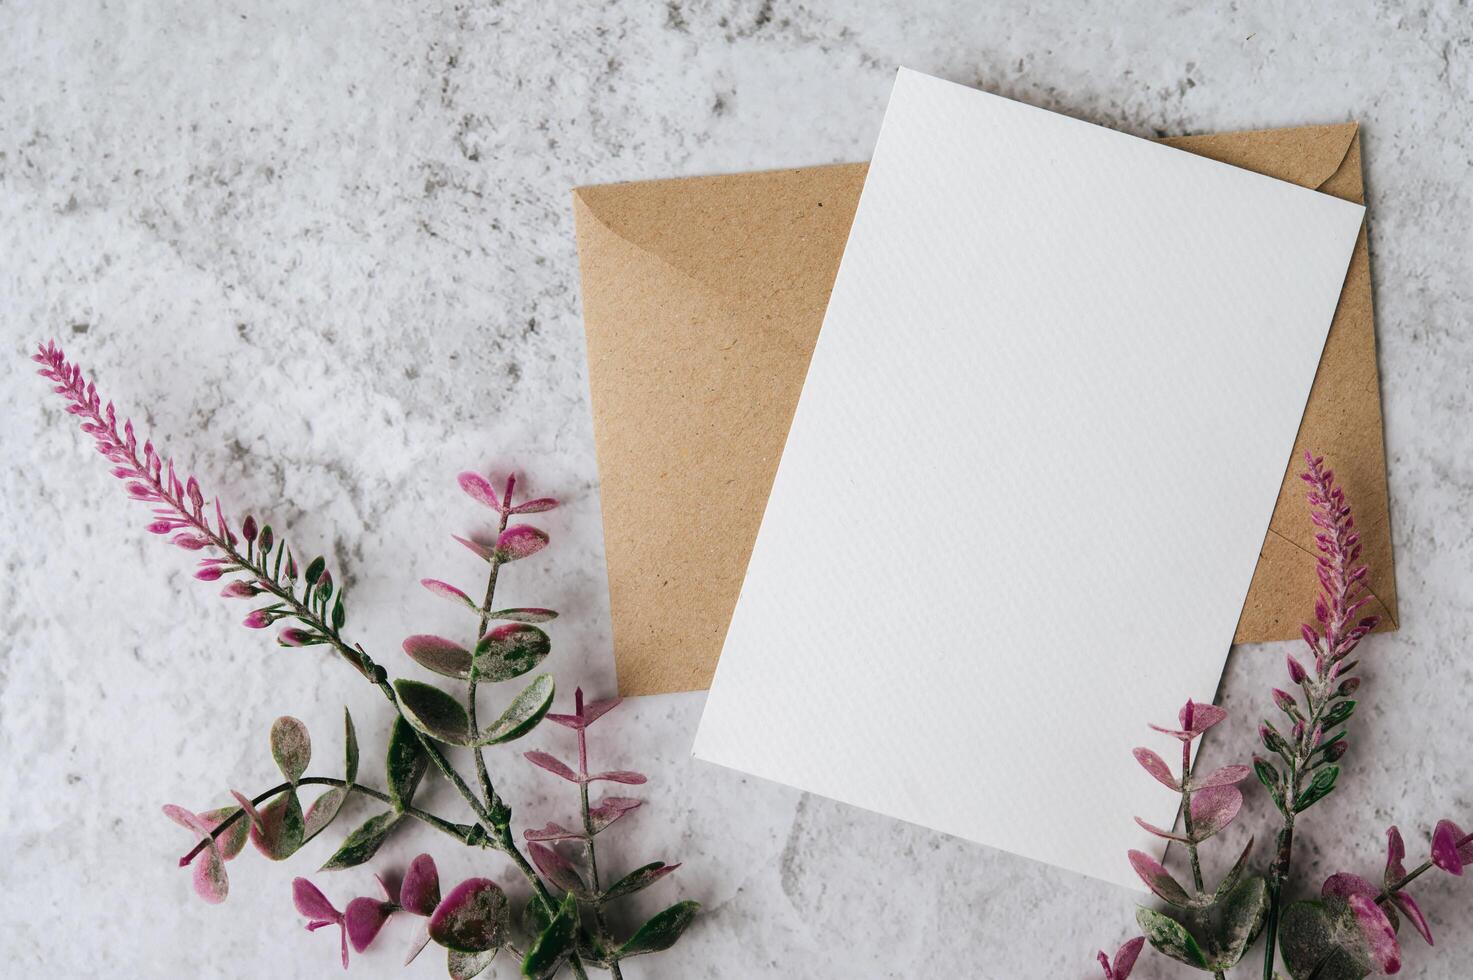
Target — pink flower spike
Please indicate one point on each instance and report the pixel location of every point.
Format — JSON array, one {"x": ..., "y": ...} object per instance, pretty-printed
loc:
[
  {"x": 479, "y": 489},
  {"x": 1157, "y": 767},
  {"x": 1396, "y": 852},
  {"x": 209, "y": 573},
  {"x": 1445, "y": 854},
  {"x": 1297, "y": 673},
  {"x": 419, "y": 892},
  {"x": 447, "y": 591},
  {"x": 240, "y": 590},
  {"x": 363, "y": 920},
  {"x": 258, "y": 620},
  {"x": 293, "y": 637},
  {"x": 191, "y": 542}
]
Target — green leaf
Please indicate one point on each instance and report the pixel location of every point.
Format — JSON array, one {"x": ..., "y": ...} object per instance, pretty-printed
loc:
[
  {"x": 1319, "y": 788},
  {"x": 1317, "y": 943},
  {"x": 661, "y": 932},
  {"x": 1240, "y": 921},
  {"x": 1170, "y": 938},
  {"x": 405, "y": 765},
  {"x": 350, "y": 748},
  {"x": 465, "y": 966},
  {"x": 433, "y": 712},
  {"x": 510, "y": 651},
  {"x": 362, "y": 844},
  {"x": 291, "y": 747},
  {"x": 1269, "y": 776},
  {"x": 1339, "y": 713},
  {"x": 322, "y": 812},
  {"x": 1225, "y": 887},
  {"x": 1275, "y": 742},
  {"x": 522, "y": 715},
  {"x": 554, "y": 943},
  {"x": 315, "y": 568},
  {"x": 339, "y": 614},
  {"x": 638, "y": 879}
]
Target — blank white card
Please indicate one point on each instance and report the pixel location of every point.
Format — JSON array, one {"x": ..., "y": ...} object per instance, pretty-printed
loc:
[{"x": 1036, "y": 454}]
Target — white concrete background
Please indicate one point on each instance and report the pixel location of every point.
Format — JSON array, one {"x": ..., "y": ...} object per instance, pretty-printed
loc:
[{"x": 324, "y": 251}]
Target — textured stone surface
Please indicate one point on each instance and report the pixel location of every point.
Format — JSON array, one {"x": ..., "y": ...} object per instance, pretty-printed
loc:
[{"x": 326, "y": 250}]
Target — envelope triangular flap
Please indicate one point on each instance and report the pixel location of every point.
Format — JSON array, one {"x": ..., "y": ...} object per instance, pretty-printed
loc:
[{"x": 700, "y": 323}]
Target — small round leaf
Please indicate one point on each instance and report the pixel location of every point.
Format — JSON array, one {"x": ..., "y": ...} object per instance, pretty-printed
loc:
[
  {"x": 433, "y": 712},
  {"x": 510, "y": 651},
  {"x": 291, "y": 747},
  {"x": 473, "y": 918}
]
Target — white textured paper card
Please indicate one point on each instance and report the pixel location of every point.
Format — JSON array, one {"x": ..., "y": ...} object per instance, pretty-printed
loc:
[{"x": 1059, "y": 377}]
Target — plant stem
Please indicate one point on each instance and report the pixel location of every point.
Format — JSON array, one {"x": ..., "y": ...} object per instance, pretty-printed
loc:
[
  {"x": 1186, "y": 816},
  {"x": 444, "y": 826},
  {"x": 1318, "y": 696},
  {"x": 588, "y": 832},
  {"x": 482, "y": 773},
  {"x": 1412, "y": 876}
]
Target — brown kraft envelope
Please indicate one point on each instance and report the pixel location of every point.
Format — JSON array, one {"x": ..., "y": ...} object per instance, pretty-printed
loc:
[{"x": 702, "y": 300}]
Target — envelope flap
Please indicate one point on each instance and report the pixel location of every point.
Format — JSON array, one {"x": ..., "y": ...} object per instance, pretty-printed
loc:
[
  {"x": 1305, "y": 155},
  {"x": 724, "y": 231}
]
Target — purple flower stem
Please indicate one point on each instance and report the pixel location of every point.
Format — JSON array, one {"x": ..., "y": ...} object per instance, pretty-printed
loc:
[
  {"x": 445, "y": 826},
  {"x": 122, "y": 451}
]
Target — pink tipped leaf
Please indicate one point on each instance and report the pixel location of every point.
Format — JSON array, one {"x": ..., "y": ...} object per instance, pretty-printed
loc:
[
  {"x": 444, "y": 657},
  {"x": 1213, "y": 809},
  {"x": 520, "y": 541},
  {"x": 1125, "y": 958},
  {"x": 291, "y": 747},
  {"x": 1159, "y": 880},
  {"x": 481, "y": 550},
  {"x": 1445, "y": 851},
  {"x": 510, "y": 650},
  {"x": 419, "y": 892},
  {"x": 552, "y": 764},
  {"x": 619, "y": 776},
  {"x": 1413, "y": 912},
  {"x": 1225, "y": 776},
  {"x": 312, "y": 904},
  {"x": 552, "y": 832},
  {"x": 1377, "y": 933},
  {"x": 534, "y": 506},
  {"x": 447, "y": 591},
  {"x": 363, "y": 919},
  {"x": 479, "y": 489},
  {"x": 474, "y": 918},
  {"x": 524, "y": 614},
  {"x": 1151, "y": 828},
  {"x": 234, "y": 838},
  {"x": 1396, "y": 852},
  {"x": 556, "y": 868},
  {"x": 1157, "y": 767},
  {"x": 609, "y": 809}
]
